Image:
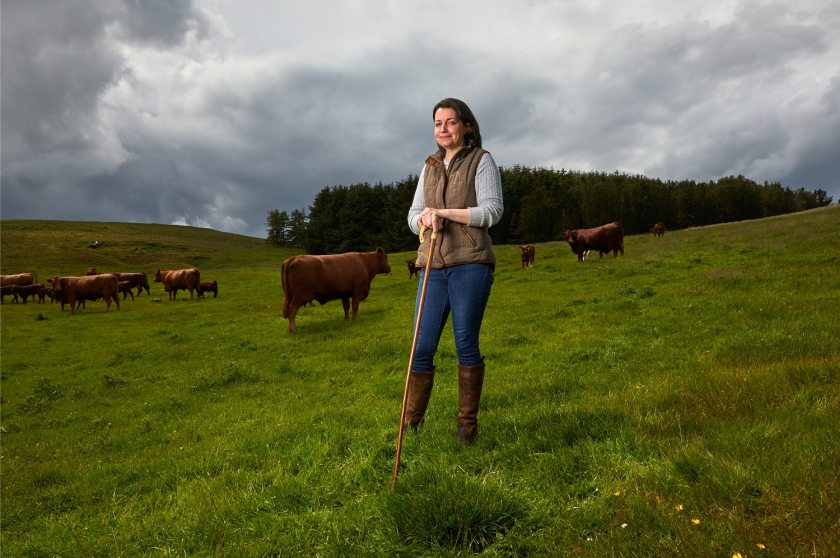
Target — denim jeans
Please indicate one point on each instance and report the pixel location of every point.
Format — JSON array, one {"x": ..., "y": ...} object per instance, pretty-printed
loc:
[{"x": 461, "y": 290}]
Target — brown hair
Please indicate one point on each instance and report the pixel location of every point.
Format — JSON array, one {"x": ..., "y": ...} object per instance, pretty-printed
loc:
[{"x": 473, "y": 137}]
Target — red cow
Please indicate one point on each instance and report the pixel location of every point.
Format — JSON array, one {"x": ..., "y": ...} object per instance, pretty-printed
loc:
[
  {"x": 35, "y": 291},
  {"x": 21, "y": 279},
  {"x": 326, "y": 278},
  {"x": 138, "y": 281},
  {"x": 658, "y": 229},
  {"x": 124, "y": 287},
  {"x": 208, "y": 287},
  {"x": 174, "y": 279},
  {"x": 89, "y": 287},
  {"x": 412, "y": 268},
  {"x": 9, "y": 290},
  {"x": 606, "y": 238},
  {"x": 528, "y": 253}
]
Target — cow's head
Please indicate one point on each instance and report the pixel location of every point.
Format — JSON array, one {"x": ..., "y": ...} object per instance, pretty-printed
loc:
[
  {"x": 158, "y": 276},
  {"x": 91, "y": 271},
  {"x": 384, "y": 266},
  {"x": 59, "y": 284}
]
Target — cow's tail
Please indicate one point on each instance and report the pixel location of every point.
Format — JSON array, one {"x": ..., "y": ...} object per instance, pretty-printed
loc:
[{"x": 284, "y": 281}]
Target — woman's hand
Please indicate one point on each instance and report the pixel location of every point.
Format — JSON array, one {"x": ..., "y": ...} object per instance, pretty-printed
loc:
[{"x": 431, "y": 219}]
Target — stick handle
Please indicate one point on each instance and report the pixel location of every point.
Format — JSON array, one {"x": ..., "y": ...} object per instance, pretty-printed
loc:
[{"x": 411, "y": 355}]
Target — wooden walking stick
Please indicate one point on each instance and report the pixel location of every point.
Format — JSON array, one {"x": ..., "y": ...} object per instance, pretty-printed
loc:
[{"x": 413, "y": 346}]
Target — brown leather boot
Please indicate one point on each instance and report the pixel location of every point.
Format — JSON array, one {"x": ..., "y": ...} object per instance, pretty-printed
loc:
[
  {"x": 470, "y": 381},
  {"x": 419, "y": 390}
]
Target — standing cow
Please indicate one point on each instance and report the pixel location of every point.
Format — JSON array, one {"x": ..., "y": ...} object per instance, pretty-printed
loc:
[
  {"x": 658, "y": 229},
  {"x": 606, "y": 238},
  {"x": 528, "y": 254},
  {"x": 174, "y": 279},
  {"x": 73, "y": 290},
  {"x": 20, "y": 280},
  {"x": 332, "y": 277},
  {"x": 412, "y": 267},
  {"x": 208, "y": 287},
  {"x": 137, "y": 281}
]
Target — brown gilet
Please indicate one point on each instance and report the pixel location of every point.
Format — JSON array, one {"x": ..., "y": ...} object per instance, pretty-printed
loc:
[{"x": 454, "y": 188}]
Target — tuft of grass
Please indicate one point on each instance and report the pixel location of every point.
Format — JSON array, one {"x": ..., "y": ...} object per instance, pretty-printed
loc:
[{"x": 435, "y": 509}]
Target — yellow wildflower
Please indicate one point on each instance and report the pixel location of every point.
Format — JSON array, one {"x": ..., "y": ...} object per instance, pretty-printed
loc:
[
  {"x": 617, "y": 493},
  {"x": 760, "y": 546},
  {"x": 678, "y": 507},
  {"x": 737, "y": 555},
  {"x": 695, "y": 521}
]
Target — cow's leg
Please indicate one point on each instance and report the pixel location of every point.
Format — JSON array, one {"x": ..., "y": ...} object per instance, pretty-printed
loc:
[
  {"x": 292, "y": 312},
  {"x": 345, "y": 302},
  {"x": 355, "y": 305}
]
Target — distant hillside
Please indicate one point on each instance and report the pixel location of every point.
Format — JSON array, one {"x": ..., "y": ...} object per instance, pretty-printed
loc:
[{"x": 64, "y": 247}]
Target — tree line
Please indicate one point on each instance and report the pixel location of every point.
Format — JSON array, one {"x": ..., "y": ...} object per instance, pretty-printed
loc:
[{"x": 540, "y": 204}]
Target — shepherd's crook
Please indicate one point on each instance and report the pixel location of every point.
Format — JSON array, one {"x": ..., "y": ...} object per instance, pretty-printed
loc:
[{"x": 413, "y": 346}]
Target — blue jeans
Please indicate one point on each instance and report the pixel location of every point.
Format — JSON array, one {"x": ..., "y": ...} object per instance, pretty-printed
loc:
[{"x": 463, "y": 291}]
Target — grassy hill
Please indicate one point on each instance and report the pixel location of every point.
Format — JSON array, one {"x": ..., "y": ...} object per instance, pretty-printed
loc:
[
  {"x": 680, "y": 401},
  {"x": 64, "y": 247}
]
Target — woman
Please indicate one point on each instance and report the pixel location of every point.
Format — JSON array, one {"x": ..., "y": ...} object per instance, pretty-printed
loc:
[{"x": 459, "y": 194}]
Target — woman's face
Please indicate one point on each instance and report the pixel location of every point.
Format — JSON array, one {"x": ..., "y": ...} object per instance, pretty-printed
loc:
[{"x": 449, "y": 131}]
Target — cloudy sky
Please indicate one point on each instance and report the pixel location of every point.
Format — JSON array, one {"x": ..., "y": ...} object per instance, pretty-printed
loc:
[{"x": 212, "y": 112}]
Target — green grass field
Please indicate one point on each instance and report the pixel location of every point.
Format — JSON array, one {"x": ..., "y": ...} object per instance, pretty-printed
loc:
[{"x": 682, "y": 400}]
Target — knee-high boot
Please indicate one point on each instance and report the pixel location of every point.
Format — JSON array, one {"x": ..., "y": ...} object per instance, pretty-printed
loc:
[
  {"x": 419, "y": 390},
  {"x": 470, "y": 381}
]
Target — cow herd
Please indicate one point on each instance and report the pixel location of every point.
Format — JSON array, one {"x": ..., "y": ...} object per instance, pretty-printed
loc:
[
  {"x": 346, "y": 277},
  {"x": 75, "y": 291}
]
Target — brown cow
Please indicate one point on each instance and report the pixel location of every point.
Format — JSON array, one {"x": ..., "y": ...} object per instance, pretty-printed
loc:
[
  {"x": 88, "y": 287},
  {"x": 8, "y": 290},
  {"x": 174, "y": 279},
  {"x": 412, "y": 268},
  {"x": 124, "y": 287},
  {"x": 658, "y": 229},
  {"x": 35, "y": 291},
  {"x": 208, "y": 287},
  {"x": 138, "y": 281},
  {"x": 528, "y": 253},
  {"x": 606, "y": 238},
  {"x": 332, "y": 277},
  {"x": 91, "y": 271},
  {"x": 21, "y": 279}
]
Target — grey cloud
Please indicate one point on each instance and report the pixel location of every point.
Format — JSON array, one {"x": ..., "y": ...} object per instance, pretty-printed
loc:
[{"x": 161, "y": 22}]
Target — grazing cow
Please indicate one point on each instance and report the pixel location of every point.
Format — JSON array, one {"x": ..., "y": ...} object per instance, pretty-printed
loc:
[
  {"x": 606, "y": 238},
  {"x": 174, "y": 279},
  {"x": 8, "y": 290},
  {"x": 89, "y": 287},
  {"x": 528, "y": 253},
  {"x": 412, "y": 268},
  {"x": 138, "y": 281},
  {"x": 124, "y": 287},
  {"x": 332, "y": 277},
  {"x": 658, "y": 229},
  {"x": 91, "y": 271},
  {"x": 21, "y": 279},
  {"x": 208, "y": 287}
]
